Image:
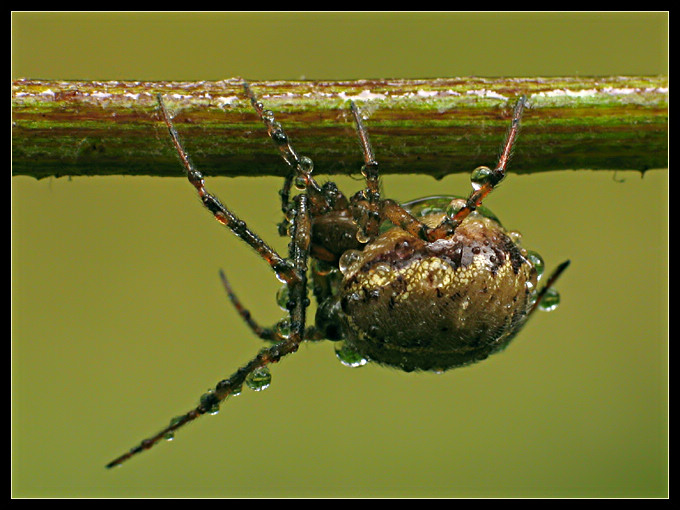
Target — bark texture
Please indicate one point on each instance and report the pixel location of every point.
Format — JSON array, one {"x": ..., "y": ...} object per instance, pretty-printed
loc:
[{"x": 434, "y": 127}]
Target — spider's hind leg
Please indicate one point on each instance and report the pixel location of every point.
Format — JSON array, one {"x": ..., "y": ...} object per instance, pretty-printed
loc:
[
  {"x": 485, "y": 183},
  {"x": 550, "y": 282},
  {"x": 367, "y": 207}
]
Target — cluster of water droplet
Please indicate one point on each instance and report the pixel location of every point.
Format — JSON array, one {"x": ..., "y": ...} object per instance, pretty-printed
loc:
[
  {"x": 305, "y": 168},
  {"x": 282, "y": 298},
  {"x": 258, "y": 380}
]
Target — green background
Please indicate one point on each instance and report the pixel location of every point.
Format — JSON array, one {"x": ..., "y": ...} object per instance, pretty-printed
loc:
[{"x": 119, "y": 321}]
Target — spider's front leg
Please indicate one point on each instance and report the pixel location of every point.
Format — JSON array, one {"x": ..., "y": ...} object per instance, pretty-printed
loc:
[{"x": 301, "y": 166}]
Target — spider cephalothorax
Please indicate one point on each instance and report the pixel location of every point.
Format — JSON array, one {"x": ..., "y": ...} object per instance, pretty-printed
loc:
[{"x": 430, "y": 284}]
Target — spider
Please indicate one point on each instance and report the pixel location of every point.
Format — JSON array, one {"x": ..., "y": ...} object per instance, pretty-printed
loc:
[{"x": 427, "y": 285}]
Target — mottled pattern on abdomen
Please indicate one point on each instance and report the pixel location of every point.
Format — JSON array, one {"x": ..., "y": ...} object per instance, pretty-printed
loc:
[{"x": 434, "y": 306}]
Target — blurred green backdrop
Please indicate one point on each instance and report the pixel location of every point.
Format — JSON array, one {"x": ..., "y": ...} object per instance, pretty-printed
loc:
[{"x": 119, "y": 321}]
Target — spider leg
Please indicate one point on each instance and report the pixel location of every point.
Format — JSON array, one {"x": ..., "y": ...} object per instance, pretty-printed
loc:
[
  {"x": 297, "y": 305},
  {"x": 399, "y": 216},
  {"x": 368, "y": 209},
  {"x": 491, "y": 180},
  {"x": 550, "y": 282},
  {"x": 264, "y": 333},
  {"x": 268, "y": 334},
  {"x": 321, "y": 199},
  {"x": 281, "y": 266},
  {"x": 302, "y": 166},
  {"x": 367, "y": 202}
]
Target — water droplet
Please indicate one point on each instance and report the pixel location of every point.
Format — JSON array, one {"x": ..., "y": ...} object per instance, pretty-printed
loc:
[
  {"x": 259, "y": 379},
  {"x": 537, "y": 261},
  {"x": 349, "y": 356},
  {"x": 169, "y": 436},
  {"x": 283, "y": 327},
  {"x": 382, "y": 268},
  {"x": 403, "y": 249},
  {"x": 347, "y": 259},
  {"x": 322, "y": 268},
  {"x": 480, "y": 176},
  {"x": 282, "y": 297},
  {"x": 300, "y": 183},
  {"x": 277, "y": 134},
  {"x": 362, "y": 236},
  {"x": 454, "y": 206},
  {"x": 550, "y": 301},
  {"x": 209, "y": 401},
  {"x": 306, "y": 165},
  {"x": 515, "y": 236},
  {"x": 268, "y": 115},
  {"x": 429, "y": 205}
]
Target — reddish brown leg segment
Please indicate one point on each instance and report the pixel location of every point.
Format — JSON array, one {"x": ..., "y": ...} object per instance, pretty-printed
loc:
[
  {"x": 487, "y": 184},
  {"x": 400, "y": 217}
]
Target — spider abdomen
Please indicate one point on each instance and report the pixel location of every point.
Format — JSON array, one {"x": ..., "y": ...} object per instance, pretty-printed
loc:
[{"x": 420, "y": 305}]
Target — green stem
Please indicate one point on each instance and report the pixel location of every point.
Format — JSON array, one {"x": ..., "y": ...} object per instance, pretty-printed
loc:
[{"x": 435, "y": 127}]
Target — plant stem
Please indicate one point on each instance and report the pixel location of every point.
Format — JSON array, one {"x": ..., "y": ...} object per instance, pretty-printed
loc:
[{"x": 435, "y": 127}]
